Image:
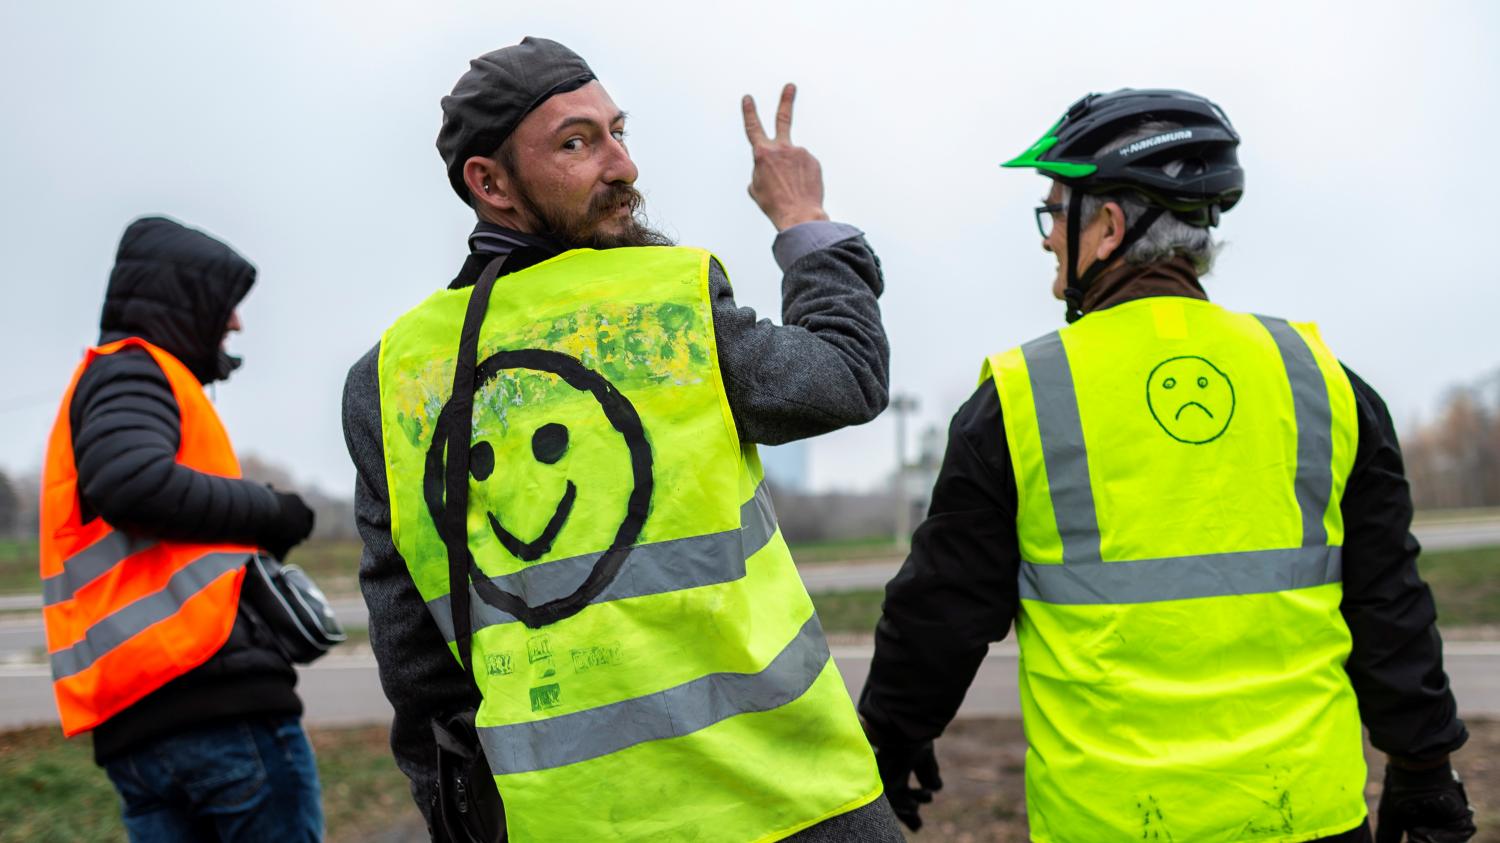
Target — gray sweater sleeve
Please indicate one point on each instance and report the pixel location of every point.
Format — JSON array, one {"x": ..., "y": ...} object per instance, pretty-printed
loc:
[
  {"x": 826, "y": 366},
  {"x": 417, "y": 670}
]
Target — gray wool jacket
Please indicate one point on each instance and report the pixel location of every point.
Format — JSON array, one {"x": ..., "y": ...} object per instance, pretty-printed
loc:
[{"x": 825, "y": 367}]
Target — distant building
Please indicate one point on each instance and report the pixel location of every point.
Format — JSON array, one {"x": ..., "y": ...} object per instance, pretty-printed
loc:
[
  {"x": 786, "y": 465},
  {"x": 915, "y": 483}
]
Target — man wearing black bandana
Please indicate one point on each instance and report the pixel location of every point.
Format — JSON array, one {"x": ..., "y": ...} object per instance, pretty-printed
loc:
[{"x": 534, "y": 144}]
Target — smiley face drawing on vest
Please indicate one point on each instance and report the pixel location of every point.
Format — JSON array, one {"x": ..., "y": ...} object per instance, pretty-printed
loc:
[
  {"x": 1190, "y": 398},
  {"x": 549, "y": 430}
]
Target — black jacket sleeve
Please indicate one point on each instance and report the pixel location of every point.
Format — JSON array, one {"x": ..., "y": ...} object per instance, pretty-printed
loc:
[
  {"x": 957, "y": 590},
  {"x": 126, "y": 431},
  {"x": 417, "y": 670},
  {"x": 1396, "y": 664},
  {"x": 825, "y": 367}
]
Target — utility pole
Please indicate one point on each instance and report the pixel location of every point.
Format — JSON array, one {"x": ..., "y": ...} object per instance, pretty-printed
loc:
[{"x": 902, "y": 405}]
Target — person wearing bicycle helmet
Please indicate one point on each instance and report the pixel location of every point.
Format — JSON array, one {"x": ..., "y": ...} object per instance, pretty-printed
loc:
[{"x": 1198, "y": 523}]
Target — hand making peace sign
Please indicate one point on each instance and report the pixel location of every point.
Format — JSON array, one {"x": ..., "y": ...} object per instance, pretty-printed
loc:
[{"x": 787, "y": 182}]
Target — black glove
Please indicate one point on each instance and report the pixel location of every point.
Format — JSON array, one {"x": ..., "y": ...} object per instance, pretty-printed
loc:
[
  {"x": 897, "y": 762},
  {"x": 292, "y": 525},
  {"x": 1429, "y": 806}
]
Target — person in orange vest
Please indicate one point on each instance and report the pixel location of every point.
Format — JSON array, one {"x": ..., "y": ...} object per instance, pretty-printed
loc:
[{"x": 146, "y": 529}]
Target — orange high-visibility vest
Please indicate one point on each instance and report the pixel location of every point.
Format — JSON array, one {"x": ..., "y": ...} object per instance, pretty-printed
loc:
[{"x": 125, "y": 614}]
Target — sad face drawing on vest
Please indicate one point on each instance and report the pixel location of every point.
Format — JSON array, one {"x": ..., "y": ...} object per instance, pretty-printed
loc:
[{"x": 1191, "y": 398}]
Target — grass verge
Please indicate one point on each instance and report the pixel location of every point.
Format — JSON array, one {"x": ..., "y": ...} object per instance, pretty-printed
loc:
[
  {"x": 1465, "y": 584},
  {"x": 846, "y": 550},
  {"x": 849, "y": 611},
  {"x": 52, "y": 792}
]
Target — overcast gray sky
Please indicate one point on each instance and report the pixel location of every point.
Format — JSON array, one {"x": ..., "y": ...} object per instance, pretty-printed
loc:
[{"x": 302, "y": 134}]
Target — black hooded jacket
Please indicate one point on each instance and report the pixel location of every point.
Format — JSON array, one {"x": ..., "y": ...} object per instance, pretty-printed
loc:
[{"x": 175, "y": 288}]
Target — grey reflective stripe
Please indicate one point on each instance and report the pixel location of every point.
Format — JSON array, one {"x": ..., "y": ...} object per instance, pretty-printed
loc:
[
  {"x": 89, "y": 564},
  {"x": 674, "y": 712},
  {"x": 1314, "y": 427},
  {"x": 1181, "y": 577},
  {"x": 649, "y": 569},
  {"x": 1063, "y": 450},
  {"x": 110, "y": 632}
]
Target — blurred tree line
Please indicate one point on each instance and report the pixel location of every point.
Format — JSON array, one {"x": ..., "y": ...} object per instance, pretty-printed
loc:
[{"x": 1453, "y": 460}]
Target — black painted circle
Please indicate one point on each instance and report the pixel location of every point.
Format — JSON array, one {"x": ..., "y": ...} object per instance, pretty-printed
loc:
[
  {"x": 549, "y": 443},
  {"x": 621, "y": 415},
  {"x": 482, "y": 461}
]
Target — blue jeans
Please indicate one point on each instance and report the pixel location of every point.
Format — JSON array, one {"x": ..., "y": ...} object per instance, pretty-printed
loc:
[{"x": 251, "y": 780}]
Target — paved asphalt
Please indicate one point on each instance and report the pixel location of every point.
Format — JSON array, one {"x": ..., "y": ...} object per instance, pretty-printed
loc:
[{"x": 344, "y": 690}]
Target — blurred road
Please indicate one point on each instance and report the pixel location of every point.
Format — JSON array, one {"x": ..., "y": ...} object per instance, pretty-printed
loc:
[
  {"x": 1459, "y": 535},
  {"x": 344, "y": 690}
]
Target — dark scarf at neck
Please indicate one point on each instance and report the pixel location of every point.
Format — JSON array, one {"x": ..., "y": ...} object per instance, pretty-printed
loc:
[{"x": 1128, "y": 282}]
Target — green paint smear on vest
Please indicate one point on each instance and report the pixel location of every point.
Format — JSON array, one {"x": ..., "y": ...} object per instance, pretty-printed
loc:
[{"x": 632, "y": 345}]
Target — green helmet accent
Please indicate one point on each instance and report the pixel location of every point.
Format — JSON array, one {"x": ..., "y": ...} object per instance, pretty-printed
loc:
[{"x": 1032, "y": 158}]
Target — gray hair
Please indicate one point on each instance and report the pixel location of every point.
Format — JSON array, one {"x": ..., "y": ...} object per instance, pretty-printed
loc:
[{"x": 1168, "y": 236}]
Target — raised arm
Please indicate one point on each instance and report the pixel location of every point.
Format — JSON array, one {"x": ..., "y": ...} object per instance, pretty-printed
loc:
[{"x": 827, "y": 365}]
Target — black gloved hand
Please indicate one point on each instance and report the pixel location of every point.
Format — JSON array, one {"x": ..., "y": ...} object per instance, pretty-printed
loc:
[
  {"x": 897, "y": 762},
  {"x": 294, "y": 524},
  {"x": 1429, "y": 806}
]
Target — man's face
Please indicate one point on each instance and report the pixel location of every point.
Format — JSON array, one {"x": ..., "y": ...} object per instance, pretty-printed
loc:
[
  {"x": 571, "y": 175},
  {"x": 1057, "y": 242},
  {"x": 233, "y": 326},
  {"x": 1091, "y": 232}
]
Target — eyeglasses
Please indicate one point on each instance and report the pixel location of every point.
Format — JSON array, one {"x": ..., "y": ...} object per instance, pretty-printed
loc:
[{"x": 1047, "y": 216}]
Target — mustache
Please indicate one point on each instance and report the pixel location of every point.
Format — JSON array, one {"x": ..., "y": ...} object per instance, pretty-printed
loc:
[{"x": 613, "y": 197}]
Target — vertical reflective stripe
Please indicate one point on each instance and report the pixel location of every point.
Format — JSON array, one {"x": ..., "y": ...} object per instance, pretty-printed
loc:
[
  {"x": 1314, "y": 415},
  {"x": 89, "y": 564},
  {"x": 115, "y": 629},
  {"x": 674, "y": 712},
  {"x": 1063, "y": 450},
  {"x": 654, "y": 568}
]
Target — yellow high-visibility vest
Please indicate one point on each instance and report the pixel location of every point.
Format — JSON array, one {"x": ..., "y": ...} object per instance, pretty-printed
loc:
[
  {"x": 1179, "y": 470},
  {"x": 693, "y": 696}
]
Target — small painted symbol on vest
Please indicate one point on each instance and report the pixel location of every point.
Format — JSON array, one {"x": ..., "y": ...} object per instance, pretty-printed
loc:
[
  {"x": 499, "y": 664},
  {"x": 588, "y": 658},
  {"x": 1190, "y": 398},
  {"x": 546, "y": 696},
  {"x": 539, "y": 654}
]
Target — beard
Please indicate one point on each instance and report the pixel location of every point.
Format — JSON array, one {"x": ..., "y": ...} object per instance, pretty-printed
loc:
[{"x": 584, "y": 229}]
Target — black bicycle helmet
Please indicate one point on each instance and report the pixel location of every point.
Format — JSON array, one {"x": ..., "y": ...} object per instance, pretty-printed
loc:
[{"x": 1208, "y": 182}]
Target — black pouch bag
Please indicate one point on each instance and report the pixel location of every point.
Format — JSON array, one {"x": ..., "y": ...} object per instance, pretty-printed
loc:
[
  {"x": 469, "y": 808},
  {"x": 296, "y": 610}
]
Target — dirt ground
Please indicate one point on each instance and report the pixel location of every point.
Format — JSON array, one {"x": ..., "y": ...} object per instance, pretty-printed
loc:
[{"x": 983, "y": 801}]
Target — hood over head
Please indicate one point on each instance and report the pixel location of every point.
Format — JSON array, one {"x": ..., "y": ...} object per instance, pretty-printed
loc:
[{"x": 175, "y": 287}]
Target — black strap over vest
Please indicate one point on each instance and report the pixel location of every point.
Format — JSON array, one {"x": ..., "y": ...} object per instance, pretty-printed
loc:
[
  {"x": 456, "y": 475},
  {"x": 1078, "y": 287}
]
